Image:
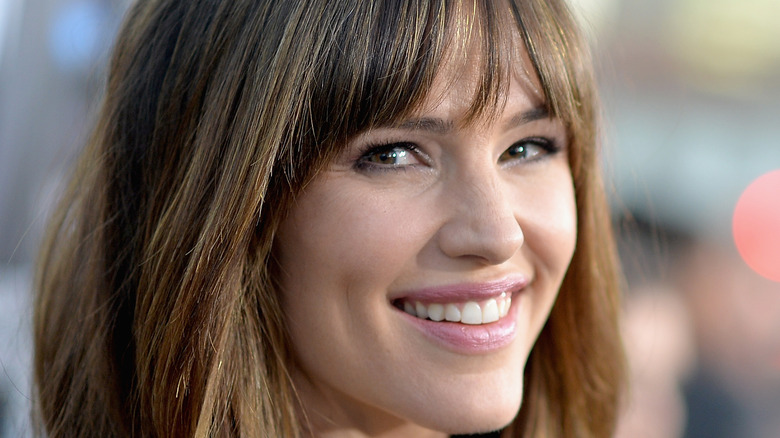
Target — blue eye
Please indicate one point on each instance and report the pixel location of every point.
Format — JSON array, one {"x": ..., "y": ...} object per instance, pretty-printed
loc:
[
  {"x": 388, "y": 156},
  {"x": 529, "y": 149}
]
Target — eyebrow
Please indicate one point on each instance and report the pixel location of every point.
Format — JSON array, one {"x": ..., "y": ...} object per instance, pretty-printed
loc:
[
  {"x": 519, "y": 119},
  {"x": 440, "y": 126},
  {"x": 428, "y": 124}
]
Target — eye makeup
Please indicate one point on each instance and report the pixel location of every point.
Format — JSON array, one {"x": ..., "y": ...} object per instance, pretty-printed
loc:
[{"x": 390, "y": 156}]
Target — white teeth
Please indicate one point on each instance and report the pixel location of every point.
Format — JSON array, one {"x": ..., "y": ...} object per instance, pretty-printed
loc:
[
  {"x": 470, "y": 312},
  {"x": 490, "y": 311},
  {"x": 422, "y": 311},
  {"x": 451, "y": 313},
  {"x": 436, "y": 312}
]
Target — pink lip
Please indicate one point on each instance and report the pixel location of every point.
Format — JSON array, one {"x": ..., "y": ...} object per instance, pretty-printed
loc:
[
  {"x": 469, "y": 339},
  {"x": 457, "y": 293},
  {"x": 463, "y": 338}
]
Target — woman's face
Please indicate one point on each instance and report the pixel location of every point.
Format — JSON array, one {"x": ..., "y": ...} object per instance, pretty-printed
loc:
[{"x": 473, "y": 226}]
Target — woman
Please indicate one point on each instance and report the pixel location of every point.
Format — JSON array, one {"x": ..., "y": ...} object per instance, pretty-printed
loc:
[{"x": 311, "y": 218}]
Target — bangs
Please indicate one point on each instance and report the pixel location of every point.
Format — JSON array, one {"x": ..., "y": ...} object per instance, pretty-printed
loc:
[
  {"x": 383, "y": 61},
  {"x": 378, "y": 61}
]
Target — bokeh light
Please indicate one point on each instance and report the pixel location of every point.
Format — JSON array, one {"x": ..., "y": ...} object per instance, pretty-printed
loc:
[
  {"x": 756, "y": 225},
  {"x": 80, "y": 33}
]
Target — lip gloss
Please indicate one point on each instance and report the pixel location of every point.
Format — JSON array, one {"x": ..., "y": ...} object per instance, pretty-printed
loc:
[
  {"x": 466, "y": 338},
  {"x": 470, "y": 339},
  {"x": 465, "y": 291}
]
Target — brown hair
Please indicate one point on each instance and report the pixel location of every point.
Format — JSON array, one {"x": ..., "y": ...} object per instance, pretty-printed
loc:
[{"x": 157, "y": 312}]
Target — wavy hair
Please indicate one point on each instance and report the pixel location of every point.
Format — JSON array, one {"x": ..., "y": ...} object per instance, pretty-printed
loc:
[{"x": 157, "y": 311}]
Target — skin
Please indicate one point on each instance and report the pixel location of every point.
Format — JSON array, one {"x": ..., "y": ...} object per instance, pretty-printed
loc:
[{"x": 456, "y": 210}]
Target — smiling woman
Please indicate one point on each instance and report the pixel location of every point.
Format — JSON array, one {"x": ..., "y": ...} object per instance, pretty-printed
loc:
[
  {"x": 313, "y": 218},
  {"x": 432, "y": 258}
]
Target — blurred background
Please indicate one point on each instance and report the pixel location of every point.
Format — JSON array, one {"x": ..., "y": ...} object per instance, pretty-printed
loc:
[{"x": 691, "y": 93}]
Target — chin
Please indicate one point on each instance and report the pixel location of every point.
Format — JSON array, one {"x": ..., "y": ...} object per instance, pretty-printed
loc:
[
  {"x": 480, "y": 414},
  {"x": 482, "y": 424}
]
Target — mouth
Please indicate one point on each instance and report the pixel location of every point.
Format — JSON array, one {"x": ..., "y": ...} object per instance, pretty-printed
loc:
[
  {"x": 470, "y": 312},
  {"x": 465, "y": 318}
]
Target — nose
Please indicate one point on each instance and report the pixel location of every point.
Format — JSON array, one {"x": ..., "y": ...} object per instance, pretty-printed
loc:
[{"x": 483, "y": 223}]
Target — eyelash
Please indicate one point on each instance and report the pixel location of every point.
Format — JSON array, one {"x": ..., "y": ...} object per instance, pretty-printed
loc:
[
  {"x": 548, "y": 145},
  {"x": 370, "y": 149}
]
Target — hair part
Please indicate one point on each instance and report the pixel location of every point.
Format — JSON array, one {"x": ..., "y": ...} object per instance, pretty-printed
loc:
[{"x": 157, "y": 310}]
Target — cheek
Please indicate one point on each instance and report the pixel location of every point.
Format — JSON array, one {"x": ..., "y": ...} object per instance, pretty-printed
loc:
[
  {"x": 557, "y": 237},
  {"x": 339, "y": 252},
  {"x": 335, "y": 236},
  {"x": 550, "y": 224},
  {"x": 550, "y": 230}
]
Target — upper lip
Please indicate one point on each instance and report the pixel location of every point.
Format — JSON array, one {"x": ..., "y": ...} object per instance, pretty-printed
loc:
[{"x": 461, "y": 292}]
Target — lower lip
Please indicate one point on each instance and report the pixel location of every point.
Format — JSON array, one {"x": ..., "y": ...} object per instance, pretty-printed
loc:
[{"x": 470, "y": 339}]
